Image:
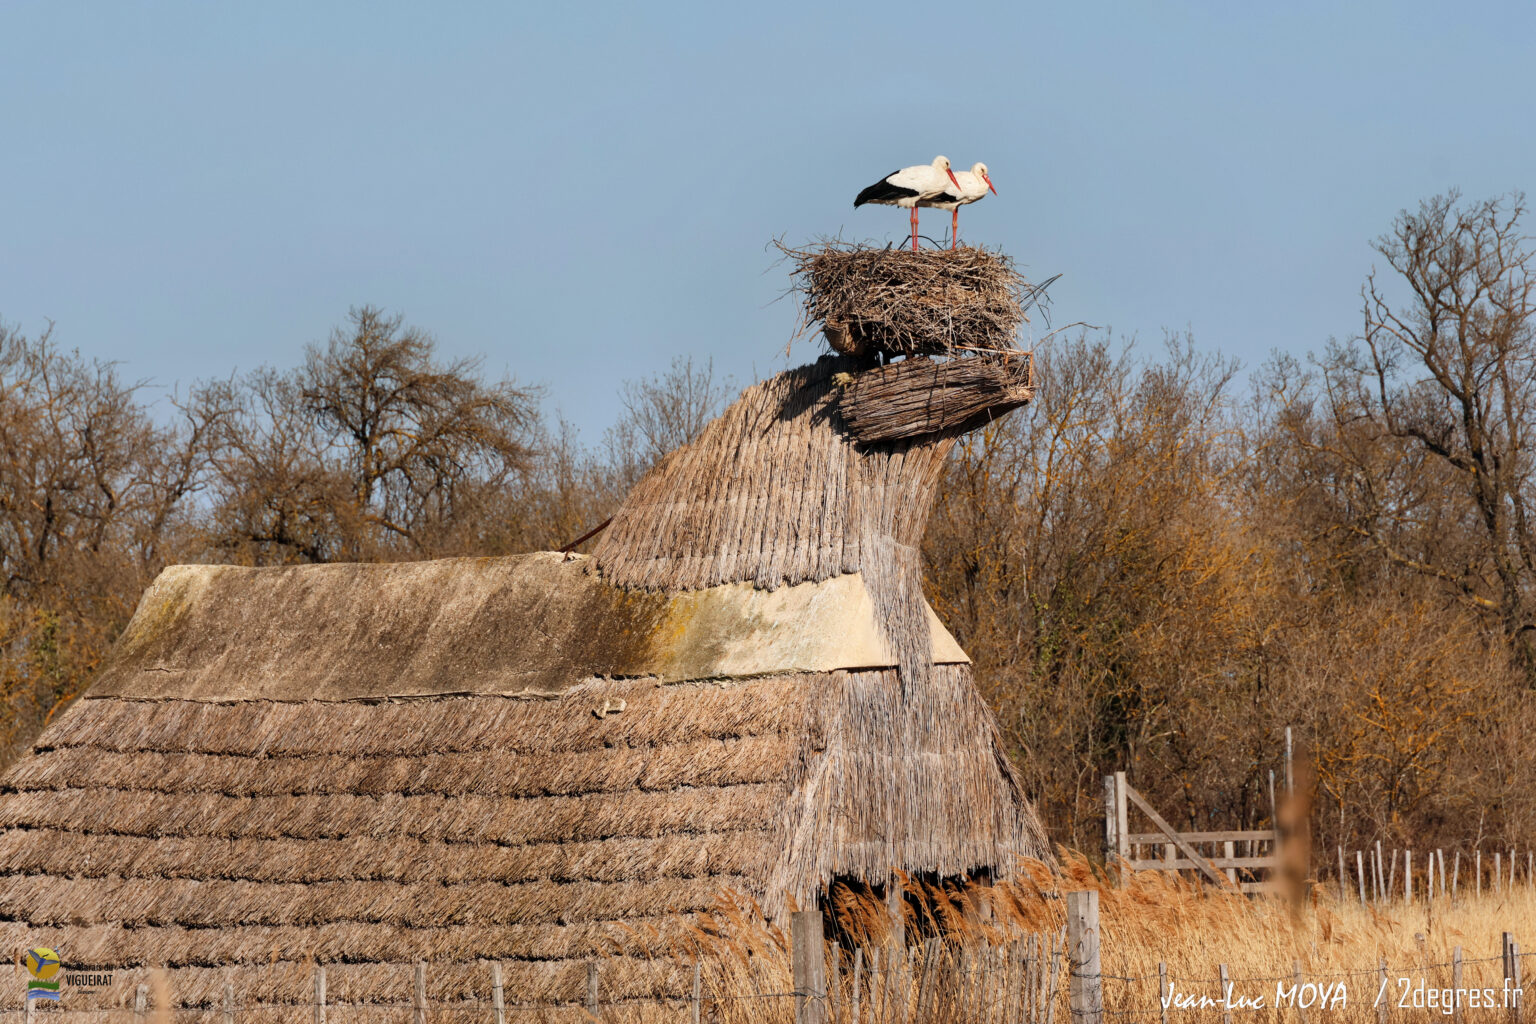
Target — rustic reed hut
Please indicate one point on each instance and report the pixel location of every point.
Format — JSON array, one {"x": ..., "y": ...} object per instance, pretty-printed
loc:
[{"x": 537, "y": 760}]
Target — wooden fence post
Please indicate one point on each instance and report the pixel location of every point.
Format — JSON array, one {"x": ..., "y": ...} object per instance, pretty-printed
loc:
[
  {"x": 1111, "y": 823},
  {"x": 498, "y": 994},
  {"x": 1407, "y": 876},
  {"x": 830, "y": 988},
  {"x": 1290, "y": 777},
  {"x": 229, "y": 1003},
  {"x": 1360, "y": 871},
  {"x": 592, "y": 988},
  {"x": 896, "y": 904},
  {"x": 1086, "y": 987},
  {"x": 1455, "y": 873},
  {"x": 1054, "y": 977},
  {"x": 1456, "y": 984},
  {"x": 1226, "y": 988},
  {"x": 1386, "y": 992},
  {"x": 1343, "y": 879},
  {"x": 1498, "y": 871},
  {"x": 1507, "y": 960},
  {"x": 419, "y": 1002},
  {"x": 1514, "y": 981},
  {"x": 886, "y": 981},
  {"x": 925, "y": 978},
  {"x": 1301, "y": 1011},
  {"x": 696, "y": 1003},
  {"x": 1477, "y": 869},
  {"x": 1162, "y": 989},
  {"x": 319, "y": 994},
  {"x": 808, "y": 962},
  {"x": 139, "y": 999},
  {"x": 1122, "y": 814},
  {"x": 858, "y": 983}
]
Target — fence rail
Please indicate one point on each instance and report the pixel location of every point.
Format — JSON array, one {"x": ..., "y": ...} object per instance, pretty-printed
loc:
[{"x": 1180, "y": 851}]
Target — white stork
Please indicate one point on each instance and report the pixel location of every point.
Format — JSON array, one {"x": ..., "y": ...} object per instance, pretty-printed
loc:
[
  {"x": 974, "y": 185},
  {"x": 909, "y": 186}
]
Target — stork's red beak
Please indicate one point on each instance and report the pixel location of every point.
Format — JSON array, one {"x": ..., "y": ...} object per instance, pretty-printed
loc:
[
  {"x": 988, "y": 178},
  {"x": 952, "y": 178}
]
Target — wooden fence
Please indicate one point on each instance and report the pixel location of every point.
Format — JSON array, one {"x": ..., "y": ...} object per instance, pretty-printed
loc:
[
  {"x": 1378, "y": 877},
  {"x": 1254, "y": 851}
]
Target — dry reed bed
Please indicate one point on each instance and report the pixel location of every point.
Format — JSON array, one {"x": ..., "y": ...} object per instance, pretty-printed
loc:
[
  {"x": 1192, "y": 931},
  {"x": 1155, "y": 919},
  {"x": 988, "y": 967},
  {"x": 929, "y": 302}
]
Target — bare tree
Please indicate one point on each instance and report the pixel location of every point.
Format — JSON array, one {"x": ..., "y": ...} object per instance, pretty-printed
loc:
[
  {"x": 374, "y": 448},
  {"x": 1432, "y": 413},
  {"x": 92, "y": 499},
  {"x": 663, "y": 412}
]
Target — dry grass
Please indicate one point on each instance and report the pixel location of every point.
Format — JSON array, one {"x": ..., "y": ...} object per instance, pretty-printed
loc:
[
  {"x": 976, "y": 953},
  {"x": 1193, "y": 930},
  {"x": 929, "y": 302},
  {"x": 1155, "y": 919}
]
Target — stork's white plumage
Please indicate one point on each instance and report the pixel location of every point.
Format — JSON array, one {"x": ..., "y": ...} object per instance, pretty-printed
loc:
[
  {"x": 910, "y": 186},
  {"x": 973, "y": 185}
]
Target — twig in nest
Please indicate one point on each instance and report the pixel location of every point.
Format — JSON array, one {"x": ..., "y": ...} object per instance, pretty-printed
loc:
[{"x": 899, "y": 302}]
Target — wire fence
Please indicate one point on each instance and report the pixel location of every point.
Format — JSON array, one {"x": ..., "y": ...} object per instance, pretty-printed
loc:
[{"x": 1036, "y": 979}]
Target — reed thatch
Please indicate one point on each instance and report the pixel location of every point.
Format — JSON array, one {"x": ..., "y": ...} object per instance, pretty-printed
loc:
[
  {"x": 780, "y": 490},
  {"x": 203, "y": 835},
  {"x": 535, "y": 760},
  {"x": 901, "y": 302},
  {"x": 920, "y": 396},
  {"x": 420, "y": 629}
]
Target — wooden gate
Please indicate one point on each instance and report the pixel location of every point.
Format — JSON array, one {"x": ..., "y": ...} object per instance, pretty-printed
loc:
[{"x": 1181, "y": 851}]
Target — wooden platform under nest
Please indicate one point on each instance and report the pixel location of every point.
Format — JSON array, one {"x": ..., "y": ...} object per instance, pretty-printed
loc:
[{"x": 900, "y": 302}]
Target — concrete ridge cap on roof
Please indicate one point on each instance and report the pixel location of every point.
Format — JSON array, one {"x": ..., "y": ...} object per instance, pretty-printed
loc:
[{"x": 526, "y": 626}]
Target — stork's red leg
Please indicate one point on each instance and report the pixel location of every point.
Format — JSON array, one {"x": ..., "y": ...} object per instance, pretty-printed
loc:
[
  {"x": 954, "y": 227},
  {"x": 914, "y": 229}
]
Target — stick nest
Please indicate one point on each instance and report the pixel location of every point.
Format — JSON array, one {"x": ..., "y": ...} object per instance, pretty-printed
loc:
[{"x": 900, "y": 302}]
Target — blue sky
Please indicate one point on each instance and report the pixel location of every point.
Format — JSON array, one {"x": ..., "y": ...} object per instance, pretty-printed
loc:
[{"x": 579, "y": 192}]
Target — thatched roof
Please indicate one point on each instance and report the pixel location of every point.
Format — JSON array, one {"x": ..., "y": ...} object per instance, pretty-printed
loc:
[
  {"x": 258, "y": 833},
  {"x": 534, "y": 760},
  {"x": 779, "y": 490},
  {"x": 244, "y": 839},
  {"x": 531, "y": 626}
]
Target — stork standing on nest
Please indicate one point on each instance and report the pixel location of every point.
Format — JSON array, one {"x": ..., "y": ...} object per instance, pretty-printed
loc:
[
  {"x": 910, "y": 186},
  {"x": 973, "y": 185}
]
